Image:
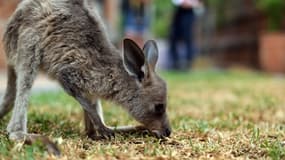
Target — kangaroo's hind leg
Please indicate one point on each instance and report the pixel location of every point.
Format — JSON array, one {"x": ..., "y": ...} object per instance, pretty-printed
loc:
[
  {"x": 26, "y": 68},
  {"x": 17, "y": 126},
  {"x": 28, "y": 61},
  {"x": 10, "y": 93}
]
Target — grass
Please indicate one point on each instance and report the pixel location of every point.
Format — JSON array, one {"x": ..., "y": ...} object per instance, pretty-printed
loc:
[{"x": 217, "y": 115}]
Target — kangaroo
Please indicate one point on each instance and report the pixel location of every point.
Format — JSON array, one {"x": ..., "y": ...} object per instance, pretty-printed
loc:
[{"x": 65, "y": 39}]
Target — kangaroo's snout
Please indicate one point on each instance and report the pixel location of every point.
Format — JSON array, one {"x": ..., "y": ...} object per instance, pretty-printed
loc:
[
  {"x": 162, "y": 134},
  {"x": 167, "y": 132},
  {"x": 166, "y": 129},
  {"x": 161, "y": 128}
]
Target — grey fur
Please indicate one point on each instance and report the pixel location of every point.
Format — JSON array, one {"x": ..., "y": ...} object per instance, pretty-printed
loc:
[{"x": 66, "y": 40}]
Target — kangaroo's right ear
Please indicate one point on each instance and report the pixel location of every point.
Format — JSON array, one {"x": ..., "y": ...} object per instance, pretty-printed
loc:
[
  {"x": 133, "y": 58},
  {"x": 150, "y": 50}
]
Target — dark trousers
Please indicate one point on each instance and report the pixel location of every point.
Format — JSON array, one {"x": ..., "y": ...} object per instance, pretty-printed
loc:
[{"x": 181, "y": 32}]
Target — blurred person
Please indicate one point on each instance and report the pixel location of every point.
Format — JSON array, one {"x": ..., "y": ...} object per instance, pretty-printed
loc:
[
  {"x": 136, "y": 19},
  {"x": 182, "y": 32},
  {"x": 108, "y": 10}
]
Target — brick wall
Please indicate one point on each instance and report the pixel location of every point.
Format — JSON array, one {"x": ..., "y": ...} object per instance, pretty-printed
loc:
[
  {"x": 2, "y": 59},
  {"x": 6, "y": 9}
]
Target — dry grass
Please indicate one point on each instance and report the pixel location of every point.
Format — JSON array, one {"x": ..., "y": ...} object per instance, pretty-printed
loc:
[{"x": 215, "y": 115}]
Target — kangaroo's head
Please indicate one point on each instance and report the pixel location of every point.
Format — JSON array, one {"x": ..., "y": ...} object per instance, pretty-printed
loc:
[{"x": 148, "y": 106}]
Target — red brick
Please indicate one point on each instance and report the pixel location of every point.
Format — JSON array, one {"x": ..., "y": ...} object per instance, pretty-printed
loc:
[
  {"x": 272, "y": 52},
  {"x": 7, "y": 7}
]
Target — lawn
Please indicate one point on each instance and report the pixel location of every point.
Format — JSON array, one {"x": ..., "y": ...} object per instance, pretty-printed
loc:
[{"x": 218, "y": 115}]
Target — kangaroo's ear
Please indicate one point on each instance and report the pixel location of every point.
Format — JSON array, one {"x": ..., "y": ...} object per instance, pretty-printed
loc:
[
  {"x": 150, "y": 50},
  {"x": 133, "y": 58}
]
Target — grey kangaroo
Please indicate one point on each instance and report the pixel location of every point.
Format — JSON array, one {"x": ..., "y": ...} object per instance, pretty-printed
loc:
[{"x": 66, "y": 40}]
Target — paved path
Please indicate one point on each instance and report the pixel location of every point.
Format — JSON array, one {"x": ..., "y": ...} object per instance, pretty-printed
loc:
[{"x": 41, "y": 84}]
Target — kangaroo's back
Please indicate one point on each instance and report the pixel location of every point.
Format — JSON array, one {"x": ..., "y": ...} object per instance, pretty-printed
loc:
[
  {"x": 60, "y": 31},
  {"x": 26, "y": 16}
]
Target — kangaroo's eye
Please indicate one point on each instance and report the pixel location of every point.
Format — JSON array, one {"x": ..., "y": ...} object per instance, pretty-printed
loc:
[{"x": 159, "y": 108}]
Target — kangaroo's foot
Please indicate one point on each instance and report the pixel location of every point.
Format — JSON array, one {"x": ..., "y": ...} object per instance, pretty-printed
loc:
[{"x": 30, "y": 139}]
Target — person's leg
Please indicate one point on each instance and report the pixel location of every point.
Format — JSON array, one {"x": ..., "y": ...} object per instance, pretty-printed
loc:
[
  {"x": 132, "y": 27},
  {"x": 173, "y": 41},
  {"x": 188, "y": 36},
  {"x": 173, "y": 54},
  {"x": 142, "y": 26}
]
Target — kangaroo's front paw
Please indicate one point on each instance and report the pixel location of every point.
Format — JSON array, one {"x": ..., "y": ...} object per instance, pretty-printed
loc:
[
  {"x": 130, "y": 129},
  {"x": 102, "y": 133}
]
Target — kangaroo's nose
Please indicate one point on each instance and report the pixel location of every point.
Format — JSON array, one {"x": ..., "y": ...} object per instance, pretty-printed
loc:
[{"x": 167, "y": 132}]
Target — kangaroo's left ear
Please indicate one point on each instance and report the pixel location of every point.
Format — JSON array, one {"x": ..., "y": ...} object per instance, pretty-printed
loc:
[
  {"x": 133, "y": 58},
  {"x": 150, "y": 50}
]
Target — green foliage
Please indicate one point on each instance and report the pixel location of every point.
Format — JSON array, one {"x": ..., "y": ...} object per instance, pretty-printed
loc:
[
  {"x": 162, "y": 18},
  {"x": 274, "y": 10},
  {"x": 275, "y": 150},
  {"x": 218, "y": 7}
]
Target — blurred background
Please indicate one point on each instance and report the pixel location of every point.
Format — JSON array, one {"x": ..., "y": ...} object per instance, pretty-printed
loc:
[
  {"x": 224, "y": 63},
  {"x": 195, "y": 34}
]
